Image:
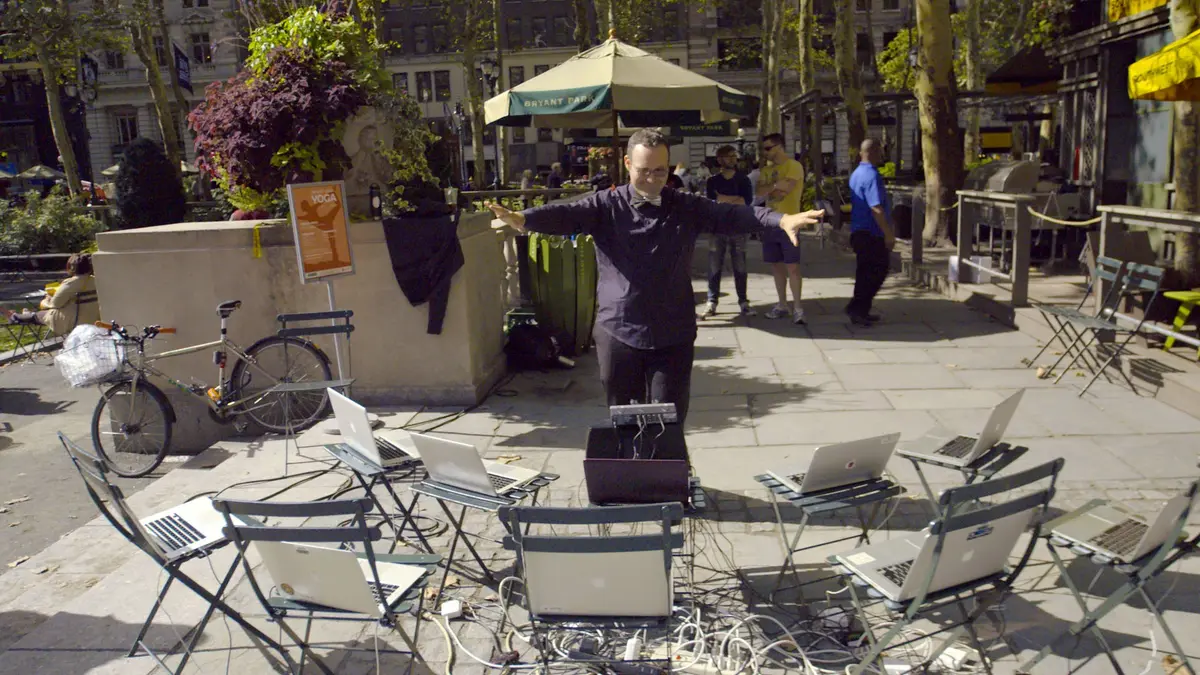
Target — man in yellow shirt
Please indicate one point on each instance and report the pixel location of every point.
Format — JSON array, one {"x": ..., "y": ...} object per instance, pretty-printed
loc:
[{"x": 782, "y": 183}]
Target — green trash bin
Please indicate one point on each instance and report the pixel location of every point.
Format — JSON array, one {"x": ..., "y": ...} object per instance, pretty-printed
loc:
[{"x": 563, "y": 279}]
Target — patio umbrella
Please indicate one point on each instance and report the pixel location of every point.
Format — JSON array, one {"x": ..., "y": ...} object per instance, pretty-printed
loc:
[
  {"x": 184, "y": 168},
  {"x": 1171, "y": 74},
  {"x": 111, "y": 171},
  {"x": 613, "y": 84},
  {"x": 41, "y": 172},
  {"x": 4, "y": 175}
]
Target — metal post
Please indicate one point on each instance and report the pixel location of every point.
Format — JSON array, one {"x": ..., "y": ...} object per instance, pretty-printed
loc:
[
  {"x": 1109, "y": 245},
  {"x": 966, "y": 234},
  {"x": 1021, "y": 254},
  {"x": 337, "y": 338}
]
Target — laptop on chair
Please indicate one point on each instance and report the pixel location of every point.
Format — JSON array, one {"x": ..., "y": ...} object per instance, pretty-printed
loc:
[
  {"x": 897, "y": 568},
  {"x": 333, "y": 577},
  {"x": 355, "y": 426},
  {"x": 842, "y": 464},
  {"x": 184, "y": 529},
  {"x": 609, "y": 583},
  {"x": 458, "y": 465},
  {"x": 961, "y": 451},
  {"x": 1117, "y": 532}
]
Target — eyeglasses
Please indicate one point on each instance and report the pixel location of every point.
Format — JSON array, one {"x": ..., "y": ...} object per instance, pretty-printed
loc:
[{"x": 655, "y": 173}]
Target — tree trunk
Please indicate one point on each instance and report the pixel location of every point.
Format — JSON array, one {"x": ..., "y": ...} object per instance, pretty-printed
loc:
[
  {"x": 604, "y": 17},
  {"x": 143, "y": 46},
  {"x": 1016, "y": 38},
  {"x": 474, "y": 96},
  {"x": 1185, "y": 146},
  {"x": 583, "y": 37},
  {"x": 941, "y": 144},
  {"x": 501, "y": 78},
  {"x": 768, "y": 77},
  {"x": 169, "y": 48},
  {"x": 58, "y": 120},
  {"x": 805, "y": 35},
  {"x": 869, "y": 27},
  {"x": 849, "y": 80},
  {"x": 974, "y": 78}
]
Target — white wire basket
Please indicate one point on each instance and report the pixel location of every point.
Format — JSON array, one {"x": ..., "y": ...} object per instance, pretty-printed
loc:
[{"x": 91, "y": 355}]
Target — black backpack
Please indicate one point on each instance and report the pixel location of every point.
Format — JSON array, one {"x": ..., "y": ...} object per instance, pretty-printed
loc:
[{"x": 531, "y": 347}]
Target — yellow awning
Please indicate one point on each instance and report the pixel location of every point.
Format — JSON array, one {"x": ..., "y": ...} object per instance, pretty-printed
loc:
[{"x": 1172, "y": 74}]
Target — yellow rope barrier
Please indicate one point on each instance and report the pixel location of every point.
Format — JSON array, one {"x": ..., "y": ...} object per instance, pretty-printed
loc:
[
  {"x": 950, "y": 208},
  {"x": 1069, "y": 223}
]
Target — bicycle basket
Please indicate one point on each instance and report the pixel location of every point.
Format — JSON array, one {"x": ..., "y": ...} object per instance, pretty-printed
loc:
[{"x": 91, "y": 355}]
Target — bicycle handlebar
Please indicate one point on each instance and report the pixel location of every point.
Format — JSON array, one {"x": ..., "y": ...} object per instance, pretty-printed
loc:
[{"x": 149, "y": 332}]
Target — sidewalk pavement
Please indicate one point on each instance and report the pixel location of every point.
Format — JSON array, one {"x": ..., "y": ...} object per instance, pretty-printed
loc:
[{"x": 765, "y": 393}]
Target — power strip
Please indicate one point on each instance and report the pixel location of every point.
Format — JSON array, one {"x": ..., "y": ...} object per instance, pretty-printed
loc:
[
  {"x": 680, "y": 660},
  {"x": 957, "y": 657}
]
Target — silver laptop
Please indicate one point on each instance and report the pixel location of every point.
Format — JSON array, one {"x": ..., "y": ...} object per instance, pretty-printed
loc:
[
  {"x": 898, "y": 567},
  {"x": 615, "y": 584},
  {"x": 355, "y": 426},
  {"x": 459, "y": 465},
  {"x": 189, "y": 527},
  {"x": 334, "y": 577},
  {"x": 842, "y": 464},
  {"x": 962, "y": 450},
  {"x": 1115, "y": 531}
]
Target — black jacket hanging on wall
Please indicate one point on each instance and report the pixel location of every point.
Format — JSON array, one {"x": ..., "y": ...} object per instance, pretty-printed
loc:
[{"x": 425, "y": 255}]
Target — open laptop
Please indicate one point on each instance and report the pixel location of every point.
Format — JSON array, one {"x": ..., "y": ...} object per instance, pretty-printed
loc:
[
  {"x": 459, "y": 465},
  {"x": 962, "y": 450},
  {"x": 898, "y": 567},
  {"x": 842, "y": 464},
  {"x": 1115, "y": 531},
  {"x": 355, "y": 425},
  {"x": 186, "y": 528},
  {"x": 602, "y": 583},
  {"x": 333, "y": 577}
]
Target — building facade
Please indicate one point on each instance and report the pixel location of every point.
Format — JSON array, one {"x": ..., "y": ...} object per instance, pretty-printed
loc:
[
  {"x": 124, "y": 110},
  {"x": 26, "y": 137}
]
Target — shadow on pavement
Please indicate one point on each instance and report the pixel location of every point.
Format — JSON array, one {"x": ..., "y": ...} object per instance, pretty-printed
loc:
[{"x": 29, "y": 402}]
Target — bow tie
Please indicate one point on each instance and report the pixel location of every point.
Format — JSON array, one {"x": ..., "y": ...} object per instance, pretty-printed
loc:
[{"x": 638, "y": 200}]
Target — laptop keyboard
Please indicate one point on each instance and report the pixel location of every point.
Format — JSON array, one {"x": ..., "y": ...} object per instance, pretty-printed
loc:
[
  {"x": 1121, "y": 538},
  {"x": 388, "y": 450},
  {"x": 958, "y": 447},
  {"x": 388, "y": 589},
  {"x": 501, "y": 482},
  {"x": 174, "y": 531},
  {"x": 896, "y": 573}
]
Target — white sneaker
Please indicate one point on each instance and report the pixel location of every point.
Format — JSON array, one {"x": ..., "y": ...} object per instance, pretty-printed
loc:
[
  {"x": 710, "y": 309},
  {"x": 798, "y": 317},
  {"x": 777, "y": 312},
  {"x": 746, "y": 309}
]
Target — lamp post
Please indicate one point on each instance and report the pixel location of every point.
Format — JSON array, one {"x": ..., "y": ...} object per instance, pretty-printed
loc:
[
  {"x": 460, "y": 126},
  {"x": 741, "y": 141},
  {"x": 491, "y": 76}
]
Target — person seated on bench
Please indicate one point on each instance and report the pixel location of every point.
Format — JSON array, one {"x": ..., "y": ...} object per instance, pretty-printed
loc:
[{"x": 64, "y": 310}]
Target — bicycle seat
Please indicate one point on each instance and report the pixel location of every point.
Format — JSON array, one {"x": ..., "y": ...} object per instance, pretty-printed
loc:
[{"x": 226, "y": 308}]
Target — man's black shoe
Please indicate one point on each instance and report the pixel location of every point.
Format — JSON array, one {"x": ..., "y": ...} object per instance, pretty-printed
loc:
[
  {"x": 860, "y": 320},
  {"x": 873, "y": 318}
]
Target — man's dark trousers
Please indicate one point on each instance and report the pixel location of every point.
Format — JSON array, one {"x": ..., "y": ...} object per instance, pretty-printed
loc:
[
  {"x": 645, "y": 375},
  {"x": 874, "y": 261}
]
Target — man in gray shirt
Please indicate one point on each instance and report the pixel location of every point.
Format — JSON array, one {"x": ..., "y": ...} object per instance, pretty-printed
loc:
[{"x": 645, "y": 236}]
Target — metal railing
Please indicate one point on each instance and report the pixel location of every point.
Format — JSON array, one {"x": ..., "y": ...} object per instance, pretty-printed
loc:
[{"x": 971, "y": 202}]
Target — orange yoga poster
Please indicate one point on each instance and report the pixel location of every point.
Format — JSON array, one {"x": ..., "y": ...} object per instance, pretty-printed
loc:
[{"x": 319, "y": 220}]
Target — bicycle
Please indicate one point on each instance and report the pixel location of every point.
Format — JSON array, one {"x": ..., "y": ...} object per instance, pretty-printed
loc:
[{"x": 287, "y": 399}]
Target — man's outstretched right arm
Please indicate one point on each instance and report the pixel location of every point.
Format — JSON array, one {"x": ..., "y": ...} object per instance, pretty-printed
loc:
[{"x": 562, "y": 218}]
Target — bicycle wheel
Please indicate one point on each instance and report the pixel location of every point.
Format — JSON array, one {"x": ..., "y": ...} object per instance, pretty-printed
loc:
[
  {"x": 275, "y": 361},
  {"x": 131, "y": 428}
]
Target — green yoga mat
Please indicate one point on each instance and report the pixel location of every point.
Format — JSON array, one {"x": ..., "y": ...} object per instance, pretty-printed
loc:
[{"x": 563, "y": 276}]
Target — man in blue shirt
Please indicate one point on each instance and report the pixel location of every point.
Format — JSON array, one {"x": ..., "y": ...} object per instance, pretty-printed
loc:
[
  {"x": 871, "y": 233},
  {"x": 729, "y": 186}
]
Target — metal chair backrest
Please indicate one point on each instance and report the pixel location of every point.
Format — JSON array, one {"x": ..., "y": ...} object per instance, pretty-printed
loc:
[
  {"x": 242, "y": 533},
  {"x": 1108, "y": 270},
  {"x": 108, "y": 498},
  {"x": 1137, "y": 281},
  {"x": 961, "y": 509}
]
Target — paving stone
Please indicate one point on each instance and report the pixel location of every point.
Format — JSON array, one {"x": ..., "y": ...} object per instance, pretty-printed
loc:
[{"x": 897, "y": 376}]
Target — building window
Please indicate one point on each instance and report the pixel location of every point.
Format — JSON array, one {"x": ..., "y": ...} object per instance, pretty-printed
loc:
[
  {"x": 421, "y": 39},
  {"x": 425, "y": 86},
  {"x": 538, "y": 70},
  {"x": 201, "y": 48},
  {"x": 160, "y": 53},
  {"x": 670, "y": 25},
  {"x": 440, "y": 42},
  {"x": 396, "y": 38},
  {"x": 400, "y": 82},
  {"x": 562, "y": 31},
  {"x": 188, "y": 4},
  {"x": 114, "y": 60},
  {"x": 888, "y": 38},
  {"x": 441, "y": 85},
  {"x": 545, "y": 135},
  {"x": 539, "y": 31},
  {"x": 127, "y": 126},
  {"x": 518, "y": 135},
  {"x": 516, "y": 75},
  {"x": 673, "y": 61},
  {"x": 862, "y": 49},
  {"x": 891, "y": 5},
  {"x": 512, "y": 33},
  {"x": 861, "y": 5}
]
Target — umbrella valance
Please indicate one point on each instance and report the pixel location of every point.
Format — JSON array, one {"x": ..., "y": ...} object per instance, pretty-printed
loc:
[{"x": 1171, "y": 74}]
